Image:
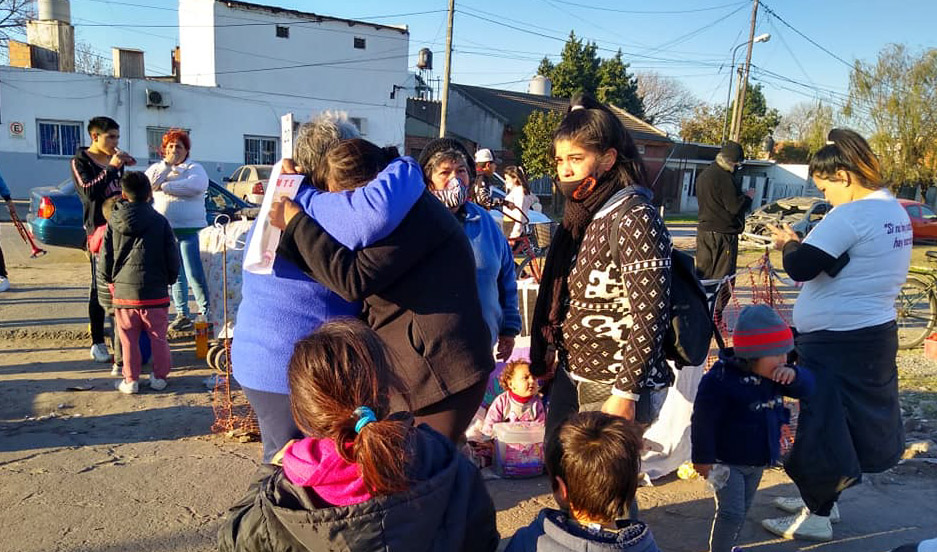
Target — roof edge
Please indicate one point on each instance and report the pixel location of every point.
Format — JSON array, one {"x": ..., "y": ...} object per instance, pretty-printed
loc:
[{"x": 313, "y": 16}]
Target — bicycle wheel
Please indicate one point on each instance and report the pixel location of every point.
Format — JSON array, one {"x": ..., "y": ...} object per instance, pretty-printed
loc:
[{"x": 916, "y": 309}]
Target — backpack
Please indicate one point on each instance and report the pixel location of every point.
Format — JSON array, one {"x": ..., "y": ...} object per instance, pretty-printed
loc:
[{"x": 690, "y": 331}]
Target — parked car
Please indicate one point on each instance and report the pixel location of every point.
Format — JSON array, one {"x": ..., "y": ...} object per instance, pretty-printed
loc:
[
  {"x": 55, "y": 212},
  {"x": 923, "y": 219},
  {"x": 248, "y": 182},
  {"x": 801, "y": 213}
]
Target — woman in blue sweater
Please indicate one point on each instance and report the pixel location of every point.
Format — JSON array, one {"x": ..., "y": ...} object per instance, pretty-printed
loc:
[
  {"x": 279, "y": 309},
  {"x": 738, "y": 413},
  {"x": 446, "y": 171}
]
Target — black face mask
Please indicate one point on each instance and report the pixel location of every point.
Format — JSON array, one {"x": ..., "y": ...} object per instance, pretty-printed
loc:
[{"x": 578, "y": 190}]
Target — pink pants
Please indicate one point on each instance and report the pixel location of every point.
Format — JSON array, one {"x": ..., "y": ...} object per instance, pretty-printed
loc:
[{"x": 130, "y": 322}]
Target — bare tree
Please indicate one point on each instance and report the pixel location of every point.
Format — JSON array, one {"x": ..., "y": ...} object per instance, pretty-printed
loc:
[
  {"x": 13, "y": 17},
  {"x": 90, "y": 62},
  {"x": 667, "y": 101}
]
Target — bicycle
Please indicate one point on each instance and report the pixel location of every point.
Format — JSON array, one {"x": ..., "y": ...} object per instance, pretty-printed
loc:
[
  {"x": 528, "y": 256},
  {"x": 916, "y": 305}
]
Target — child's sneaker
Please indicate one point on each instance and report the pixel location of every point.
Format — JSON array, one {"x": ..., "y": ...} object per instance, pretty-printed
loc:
[
  {"x": 99, "y": 353},
  {"x": 794, "y": 504},
  {"x": 804, "y": 525},
  {"x": 115, "y": 369},
  {"x": 157, "y": 384},
  {"x": 127, "y": 387}
]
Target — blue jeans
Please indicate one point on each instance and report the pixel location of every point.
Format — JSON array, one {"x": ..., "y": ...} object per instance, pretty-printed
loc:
[
  {"x": 190, "y": 273},
  {"x": 732, "y": 504}
]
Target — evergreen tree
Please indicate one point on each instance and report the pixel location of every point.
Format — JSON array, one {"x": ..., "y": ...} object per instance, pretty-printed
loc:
[
  {"x": 536, "y": 141},
  {"x": 618, "y": 87}
]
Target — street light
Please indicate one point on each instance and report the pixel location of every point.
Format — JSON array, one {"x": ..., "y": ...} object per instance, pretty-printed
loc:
[{"x": 760, "y": 38}]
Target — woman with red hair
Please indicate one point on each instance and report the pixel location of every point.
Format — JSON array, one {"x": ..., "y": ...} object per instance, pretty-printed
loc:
[{"x": 179, "y": 187}]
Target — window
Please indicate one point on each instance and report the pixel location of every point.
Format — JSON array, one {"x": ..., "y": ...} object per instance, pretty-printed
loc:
[
  {"x": 283, "y": 32},
  {"x": 360, "y": 43},
  {"x": 360, "y": 123},
  {"x": 59, "y": 138},
  {"x": 260, "y": 150},
  {"x": 913, "y": 211},
  {"x": 154, "y": 141},
  {"x": 927, "y": 213}
]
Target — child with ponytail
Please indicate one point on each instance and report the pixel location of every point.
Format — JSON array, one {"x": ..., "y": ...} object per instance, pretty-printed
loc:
[{"x": 364, "y": 478}]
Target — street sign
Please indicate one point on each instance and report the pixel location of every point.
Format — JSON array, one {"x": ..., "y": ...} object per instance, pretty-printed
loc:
[{"x": 17, "y": 129}]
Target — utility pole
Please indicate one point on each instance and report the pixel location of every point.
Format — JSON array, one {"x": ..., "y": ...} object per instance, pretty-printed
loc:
[
  {"x": 446, "y": 74},
  {"x": 743, "y": 85}
]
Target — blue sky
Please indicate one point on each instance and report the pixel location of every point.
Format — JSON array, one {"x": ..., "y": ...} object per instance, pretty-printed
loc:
[{"x": 500, "y": 43}]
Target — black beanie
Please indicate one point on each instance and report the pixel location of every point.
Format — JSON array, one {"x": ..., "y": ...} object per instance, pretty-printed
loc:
[
  {"x": 443, "y": 144},
  {"x": 732, "y": 152}
]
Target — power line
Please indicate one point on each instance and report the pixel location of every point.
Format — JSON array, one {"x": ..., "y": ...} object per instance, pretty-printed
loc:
[
  {"x": 649, "y": 12},
  {"x": 807, "y": 38}
]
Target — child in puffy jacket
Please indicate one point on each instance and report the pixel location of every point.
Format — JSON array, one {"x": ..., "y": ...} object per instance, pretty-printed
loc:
[
  {"x": 739, "y": 411},
  {"x": 139, "y": 261},
  {"x": 365, "y": 479}
]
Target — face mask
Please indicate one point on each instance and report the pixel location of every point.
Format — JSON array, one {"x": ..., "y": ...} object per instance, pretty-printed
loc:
[
  {"x": 453, "y": 195},
  {"x": 578, "y": 190}
]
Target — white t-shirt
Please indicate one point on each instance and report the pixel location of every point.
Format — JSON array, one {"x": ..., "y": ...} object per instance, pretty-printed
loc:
[
  {"x": 517, "y": 197},
  {"x": 876, "y": 231}
]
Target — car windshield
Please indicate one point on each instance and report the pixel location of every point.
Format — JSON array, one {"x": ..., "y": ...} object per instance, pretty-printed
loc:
[{"x": 263, "y": 173}]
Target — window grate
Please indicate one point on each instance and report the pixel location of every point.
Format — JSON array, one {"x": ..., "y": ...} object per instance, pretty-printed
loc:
[
  {"x": 260, "y": 150},
  {"x": 59, "y": 138},
  {"x": 283, "y": 32}
]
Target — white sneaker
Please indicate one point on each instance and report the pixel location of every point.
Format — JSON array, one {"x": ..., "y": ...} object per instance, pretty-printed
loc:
[
  {"x": 127, "y": 387},
  {"x": 804, "y": 525},
  {"x": 794, "y": 504},
  {"x": 115, "y": 369},
  {"x": 99, "y": 353},
  {"x": 157, "y": 384},
  {"x": 4, "y": 283}
]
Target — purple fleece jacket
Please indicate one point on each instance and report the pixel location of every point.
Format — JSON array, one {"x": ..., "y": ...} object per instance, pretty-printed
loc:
[{"x": 279, "y": 309}]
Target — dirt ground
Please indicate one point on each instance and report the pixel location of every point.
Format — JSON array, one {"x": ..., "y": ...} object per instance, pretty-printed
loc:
[{"x": 84, "y": 468}]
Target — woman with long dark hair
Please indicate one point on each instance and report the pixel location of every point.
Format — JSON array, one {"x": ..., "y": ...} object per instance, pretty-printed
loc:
[
  {"x": 853, "y": 264},
  {"x": 603, "y": 318}
]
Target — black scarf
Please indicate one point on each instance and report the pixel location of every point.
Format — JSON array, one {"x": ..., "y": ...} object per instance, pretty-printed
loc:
[{"x": 550, "y": 310}]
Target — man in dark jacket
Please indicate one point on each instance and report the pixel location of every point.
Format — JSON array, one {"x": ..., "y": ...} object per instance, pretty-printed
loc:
[
  {"x": 96, "y": 171},
  {"x": 722, "y": 210},
  {"x": 139, "y": 261}
]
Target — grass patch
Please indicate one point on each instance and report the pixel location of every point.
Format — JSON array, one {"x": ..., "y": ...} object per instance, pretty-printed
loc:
[{"x": 682, "y": 218}]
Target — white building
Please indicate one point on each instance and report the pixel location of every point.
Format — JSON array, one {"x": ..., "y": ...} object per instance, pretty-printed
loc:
[{"x": 243, "y": 66}]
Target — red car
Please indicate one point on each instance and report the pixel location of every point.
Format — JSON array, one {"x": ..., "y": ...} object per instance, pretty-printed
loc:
[{"x": 923, "y": 219}]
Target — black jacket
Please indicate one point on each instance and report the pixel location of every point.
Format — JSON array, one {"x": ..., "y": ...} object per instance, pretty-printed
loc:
[
  {"x": 721, "y": 206},
  {"x": 446, "y": 509},
  {"x": 94, "y": 183},
  {"x": 419, "y": 294},
  {"x": 139, "y": 257}
]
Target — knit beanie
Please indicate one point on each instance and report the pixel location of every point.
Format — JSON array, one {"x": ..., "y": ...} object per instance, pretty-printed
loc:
[
  {"x": 732, "y": 152},
  {"x": 760, "y": 332},
  {"x": 442, "y": 144}
]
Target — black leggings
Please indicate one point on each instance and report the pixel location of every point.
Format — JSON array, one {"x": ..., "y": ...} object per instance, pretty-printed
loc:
[
  {"x": 852, "y": 423},
  {"x": 452, "y": 415},
  {"x": 95, "y": 311}
]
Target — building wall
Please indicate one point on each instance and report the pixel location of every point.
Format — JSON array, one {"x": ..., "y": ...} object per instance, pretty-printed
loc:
[
  {"x": 318, "y": 60},
  {"x": 466, "y": 118},
  {"x": 218, "y": 120}
]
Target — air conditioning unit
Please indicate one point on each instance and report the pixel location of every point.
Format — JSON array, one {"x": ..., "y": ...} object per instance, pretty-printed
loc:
[{"x": 155, "y": 98}]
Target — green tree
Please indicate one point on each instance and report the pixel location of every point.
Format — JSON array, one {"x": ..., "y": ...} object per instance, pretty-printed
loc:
[
  {"x": 577, "y": 69},
  {"x": 894, "y": 100},
  {"x": 618, "y": 87},
  {"x": 758, "y": 122},
  {"x": 535, "y": 143},
  {"x": 580, "y": 69},
  {"x": 704, "y": 125}
]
